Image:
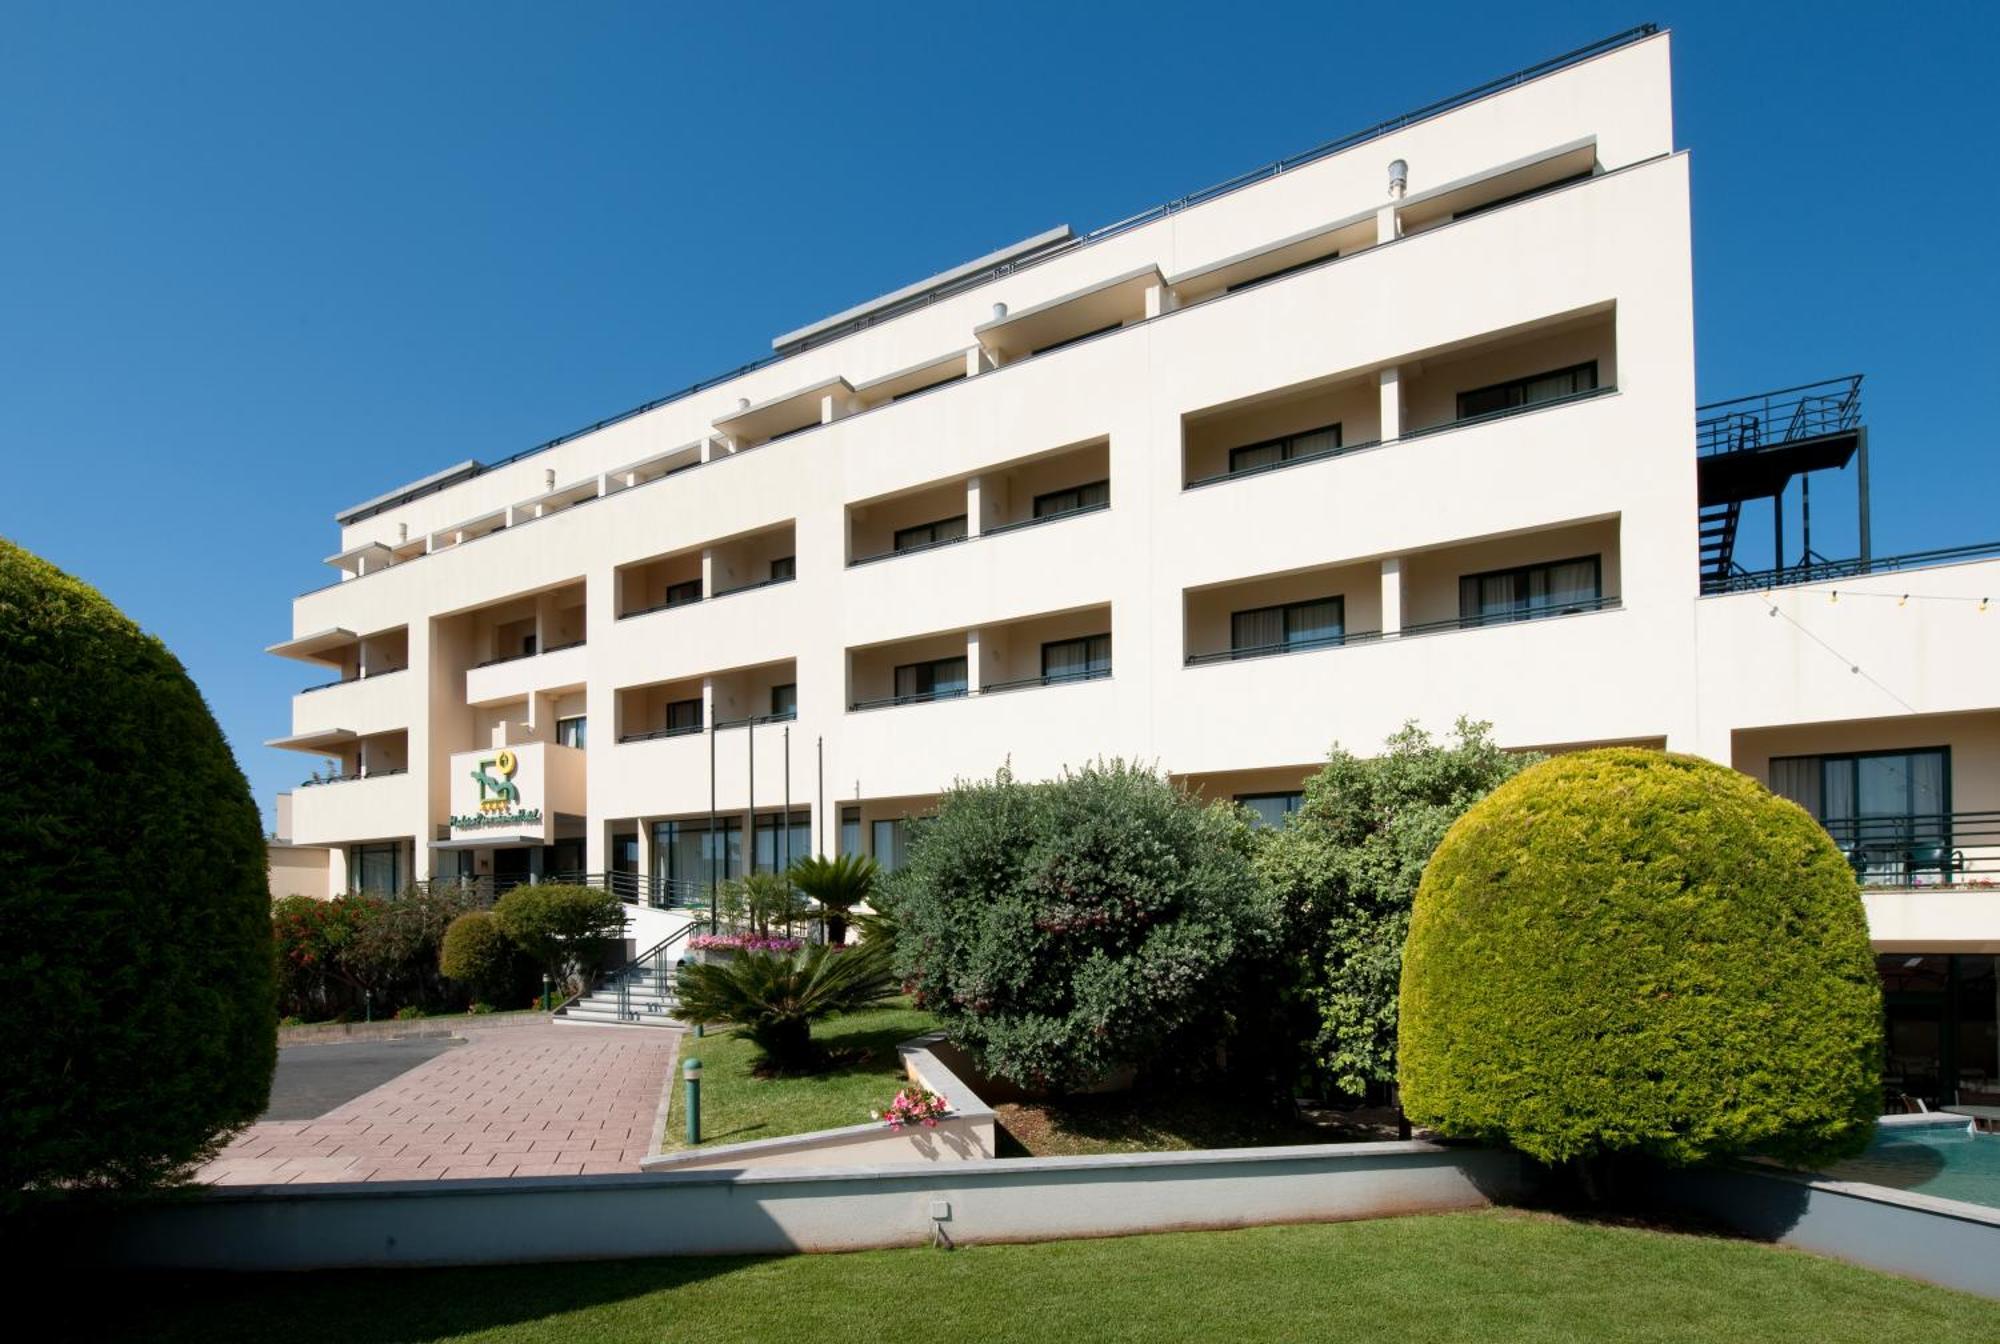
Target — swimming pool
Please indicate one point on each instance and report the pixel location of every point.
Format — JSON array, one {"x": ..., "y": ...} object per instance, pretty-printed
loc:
[{"x": 1937, "y": 1155}]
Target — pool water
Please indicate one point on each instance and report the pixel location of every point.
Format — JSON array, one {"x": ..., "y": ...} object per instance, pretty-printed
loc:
[{"x": 1944, "y": 1158}]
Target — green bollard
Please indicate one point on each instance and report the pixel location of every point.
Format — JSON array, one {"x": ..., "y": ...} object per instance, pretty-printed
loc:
[{"x": 691, "y": 1071}]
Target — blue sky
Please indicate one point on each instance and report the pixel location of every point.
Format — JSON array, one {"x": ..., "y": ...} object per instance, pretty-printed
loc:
[{"x": 260, "y": 261}]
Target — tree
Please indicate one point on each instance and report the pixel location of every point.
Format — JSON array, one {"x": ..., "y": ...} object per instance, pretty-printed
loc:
[
  {"x": 1063, "y": 930},
  {"x": 1346, "y": 867},
  {"x": 764, "y": 901},
  {"x": 1631, "y": 951},
  {"x": 477, "y": 955},
  {"x": 141, "y": 1015},
  {"x": 314, "y": 941},
  {"x": 838, "y": 885},
  {"x": 566, "y": 929},
  {"x": 776, "y": 997}
]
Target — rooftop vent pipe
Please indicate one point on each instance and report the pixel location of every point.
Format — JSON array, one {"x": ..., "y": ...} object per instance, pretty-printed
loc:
[
  {"x": 999, "y": 311},
  {"x": 1399, "y": 179}
]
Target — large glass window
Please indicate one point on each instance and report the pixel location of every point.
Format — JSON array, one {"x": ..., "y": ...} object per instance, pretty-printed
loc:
[
  {"x": 1094, "y": 495},
  {"x": 1077, "y": 659},
  {"x": 1271, "y": 809},
  {"x": 573, "y": 732},
  {"x": 1290, "y": 448},
  {"x": 785, "y": 701},
  {"x": 779, "y": 845},
  {"x": 681, "y": 594},
  {"x": 687, "y": 856},
  {"x": 1889, "y": 811},
  {"x": 375, "y": 869},
  {"x": 1941, "y": 1026},
  {"x": 850, "y": 830},
  {"x": 938, "y": 679},
  {"x": 929, "y": 534},
  {"x": 784, "y": 567},
  {"x": 683, "y": 716},
  {"x": 1503, "y": 595},
  {"x": 1295, "y": 625},
  {"x": 1529, "y": 391},
  {"x": 890, "y": 839}
]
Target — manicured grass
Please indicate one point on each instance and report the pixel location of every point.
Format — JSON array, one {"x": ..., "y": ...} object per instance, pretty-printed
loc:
[
  {"x": 1494, "y": 1276},
  {"x": 737, "y": 1106}
]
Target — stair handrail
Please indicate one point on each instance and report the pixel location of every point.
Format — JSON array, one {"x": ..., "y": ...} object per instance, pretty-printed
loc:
[{"x": 623, "y": 977}]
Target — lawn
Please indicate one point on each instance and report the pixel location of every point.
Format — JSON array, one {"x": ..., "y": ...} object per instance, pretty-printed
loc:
[
  {"x": 1491, "y": 1276},
  {"x": 737, "y": 1106}
]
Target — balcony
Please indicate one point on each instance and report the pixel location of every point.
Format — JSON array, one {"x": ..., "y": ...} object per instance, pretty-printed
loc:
[
  {"x": 1062, "y": 648},
  {"x": 563, "y": 668},
  {"x": 382, "y": 805},
  {"x": 378, "y": 702}
]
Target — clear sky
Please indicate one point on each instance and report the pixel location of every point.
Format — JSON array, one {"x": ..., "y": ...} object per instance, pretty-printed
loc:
[{"x": 262, "y": 261}]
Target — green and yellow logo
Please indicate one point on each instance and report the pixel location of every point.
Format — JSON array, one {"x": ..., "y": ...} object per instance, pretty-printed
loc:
[{"x": 495, "y": 777}]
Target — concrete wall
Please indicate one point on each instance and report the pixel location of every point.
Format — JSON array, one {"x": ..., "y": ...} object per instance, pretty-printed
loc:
[{"x": 715, "y": 1213}]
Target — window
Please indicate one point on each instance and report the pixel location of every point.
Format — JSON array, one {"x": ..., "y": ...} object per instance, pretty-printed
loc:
[
  {"x": 681, "y": 594},
  {"x": 930, "y": 534},
  {"x": 891, "y": 841},
  {"x": 1073, "y": 340},
  {"x": 787, "y": 433},
  {"x": 1272, "y": 810},
  {"x": 1077, "y": 659},
  {"x": 778, "y": 845},
  {"x": 1296, "y": 625},
  {"x": 1512, "y": 197},
  {"x": 1095, "y": 495},
  {"x": 1555, "y": 589},
  {"x": 919, "y": 391},
  {"x": 375, "y": 869},
  {"x": 1531, "y": 391},
  {"x": 934, "y": 680},
  {"x": 783, "y": 568},
  {"x": 683, "y": 716},
  {"x": 1280, "y": 273},
  {"x": 687, "y": 856},
  {"x": 1889, "y": 811},
  {"x": 785, "y": 701},
  {"x": 850, "y": 830},
  {"x": 1291, "y": 448},
  {"x": 573, "y": 732}
]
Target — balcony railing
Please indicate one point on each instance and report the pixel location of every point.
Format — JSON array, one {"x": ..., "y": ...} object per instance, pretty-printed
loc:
[
  {"x": 1741, "y": 580},
  {"x": 1411, "y": 631},
  {"x": 684, "y": 730},
  {"x": 1025, "y": 523},
  {"x": 317, "y": 780},
  {"x": 757, "y": 720},
  {"x": 1509, "y": 412},
  {"x": 1046, "y": 679},
  {"x": 915, "y": 698},
  {"x": 668, "y": 605},
  {"x": 532, "y": 653},
  {"x": 911, "y": 550},
  {"x": 349, "y": 681},
  {"x": 1788, "y": 415},
  {"x": 753, "y": 587},
  {"x": 1940, "y": 849}
]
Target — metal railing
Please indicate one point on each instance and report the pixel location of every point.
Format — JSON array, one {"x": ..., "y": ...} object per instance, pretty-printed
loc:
[
  {"x": 1818, "y": 570},
  {"x": 753, "y": 587},
  {"x": 758, "y": 720},
  {"x": 1046, "y": 679},
  {"x": 349, "y": 681},
  {"x": 910, "y": 550},
  {"x": 1412, "y": 631},
  {"x": 1282, "y": 647},
  {"x": 354, "y": 778},
  {"x": 1244, "y": 473},
  {"x": 1939, "y": 849},
  {"x": 962, "y": 284},
  {"x": 1076, "y": 512},
  {"x": 1509, "y": 412},
  {"x": 646, "y": 984},
  {"x": 915, "y": 698},
  {"x": 1789, "y": 414},
  {"x": 668, "y": 605},
  {"x": 684, "y": 730}
]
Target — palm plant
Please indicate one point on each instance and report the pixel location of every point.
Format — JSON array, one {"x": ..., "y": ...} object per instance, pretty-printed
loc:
[
  {"x": 838, "y": 885},
  {"x": 774, "y": 998}
]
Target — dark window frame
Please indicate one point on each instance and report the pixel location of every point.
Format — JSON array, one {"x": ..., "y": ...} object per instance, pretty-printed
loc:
[
  {"x": 1281, "y": 273},
  {"x": 1286, "y": 446},
  {"x": 1522, "y": 383},
  {"x": 683, "y": 594},
  {"x": 1072, "y": 340},
  {"x": 897, "y": 544},
  {"x": 1523, "y": 194},
  {"x": 1285, "y": 623},
  {"x": 793, "y": 709},
  {"x": 1297, "y": 797},
  {"x": 1090, "y": 672},
  {"x": 930, "y": 665},
  {"x": 789, "y": 565},
  {"x": 1476, "y": 619},
  {"x": 583, "y": 719},
  {"x": 927, "y": 387},
  {"x": 1076, "y": 490},
  {"x": 668, "y": 715}
]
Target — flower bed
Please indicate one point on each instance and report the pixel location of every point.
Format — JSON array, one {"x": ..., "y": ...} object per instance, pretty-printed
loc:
[{"x": 742, "y": 942}]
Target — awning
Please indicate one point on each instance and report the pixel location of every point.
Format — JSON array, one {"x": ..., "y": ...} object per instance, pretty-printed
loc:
[
  {"x": 317, "y": 743},
  {"x": 315, "y": 647}
]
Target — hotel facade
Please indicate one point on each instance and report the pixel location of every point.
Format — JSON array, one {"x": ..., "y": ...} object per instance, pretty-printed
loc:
[{"x": 1403, "y": 428}]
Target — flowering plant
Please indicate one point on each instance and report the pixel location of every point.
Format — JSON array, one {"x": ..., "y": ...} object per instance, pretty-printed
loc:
[
  {"x": 915, "y": 1105},
  {"x": 741, "y": 942}
]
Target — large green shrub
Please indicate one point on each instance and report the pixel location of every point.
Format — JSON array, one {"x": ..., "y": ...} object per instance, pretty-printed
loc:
[
  {"x": 477, "y": 955},
  {"x": 776, "y": 997},
  {"x": 1625, "y": 950},
  {"x": 135, "y": 934},
  {"x": 1346, "y": 866},
  {"x": 315, "y": 941},
  {"x": 1064, "y": 929},
  {"x": 567, "y": 929}
]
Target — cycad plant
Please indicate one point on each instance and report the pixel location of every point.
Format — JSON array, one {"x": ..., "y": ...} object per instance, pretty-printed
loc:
[
  {"x": 838, "y": 885},
  {"x": 774, "y": 998}
]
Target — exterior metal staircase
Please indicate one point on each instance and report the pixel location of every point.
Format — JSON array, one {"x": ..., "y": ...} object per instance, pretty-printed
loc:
[{"x": 1718, "y": 539}]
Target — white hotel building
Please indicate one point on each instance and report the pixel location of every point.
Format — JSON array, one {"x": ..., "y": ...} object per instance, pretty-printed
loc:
[{"x": 1402, "y": 428}]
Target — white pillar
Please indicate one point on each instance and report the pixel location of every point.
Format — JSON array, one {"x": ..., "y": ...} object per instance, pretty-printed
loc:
[
  {"x": 1388, "y": 226},
  {"x": 1392, "y": 596},
  {"x": 975, "y": 518},
  {"x": 972, "y": 677},
  {"x": 1160, "y": 299},
  {"x": 707, "y": 571},
  {"x": 1392, "y": 404},
  {"x": 645, "y": 850}
]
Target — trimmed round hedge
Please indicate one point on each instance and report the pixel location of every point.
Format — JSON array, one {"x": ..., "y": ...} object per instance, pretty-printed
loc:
[
  {"x": 1632, "y": 951},
  {"x": 135, "y": 925}
]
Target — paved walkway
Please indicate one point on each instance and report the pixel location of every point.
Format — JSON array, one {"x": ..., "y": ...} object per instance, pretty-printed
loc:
[{"x": 529, "y": 1101}]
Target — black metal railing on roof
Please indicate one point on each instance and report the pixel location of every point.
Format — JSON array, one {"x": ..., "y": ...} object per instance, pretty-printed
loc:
[
  {"x": 1820, "y": 570},
  {"x": 961, "y": 284},
  {"x": 1788, "y": 415}
]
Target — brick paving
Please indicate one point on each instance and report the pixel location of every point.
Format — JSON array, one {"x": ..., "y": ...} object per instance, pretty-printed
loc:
[{"x": 529, "y": 1101}]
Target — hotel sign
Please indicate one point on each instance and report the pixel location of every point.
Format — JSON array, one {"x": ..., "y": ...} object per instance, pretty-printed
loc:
[{"x": 498, "y": 794}]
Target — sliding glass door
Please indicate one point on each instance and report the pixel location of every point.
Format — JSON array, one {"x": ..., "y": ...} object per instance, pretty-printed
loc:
[{"x": 1889, "y": 811}]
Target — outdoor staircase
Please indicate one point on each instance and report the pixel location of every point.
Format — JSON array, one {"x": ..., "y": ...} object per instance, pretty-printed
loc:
[
  {"x": 1718, "y": 539},
  {"x": 638, "y": 994}
]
